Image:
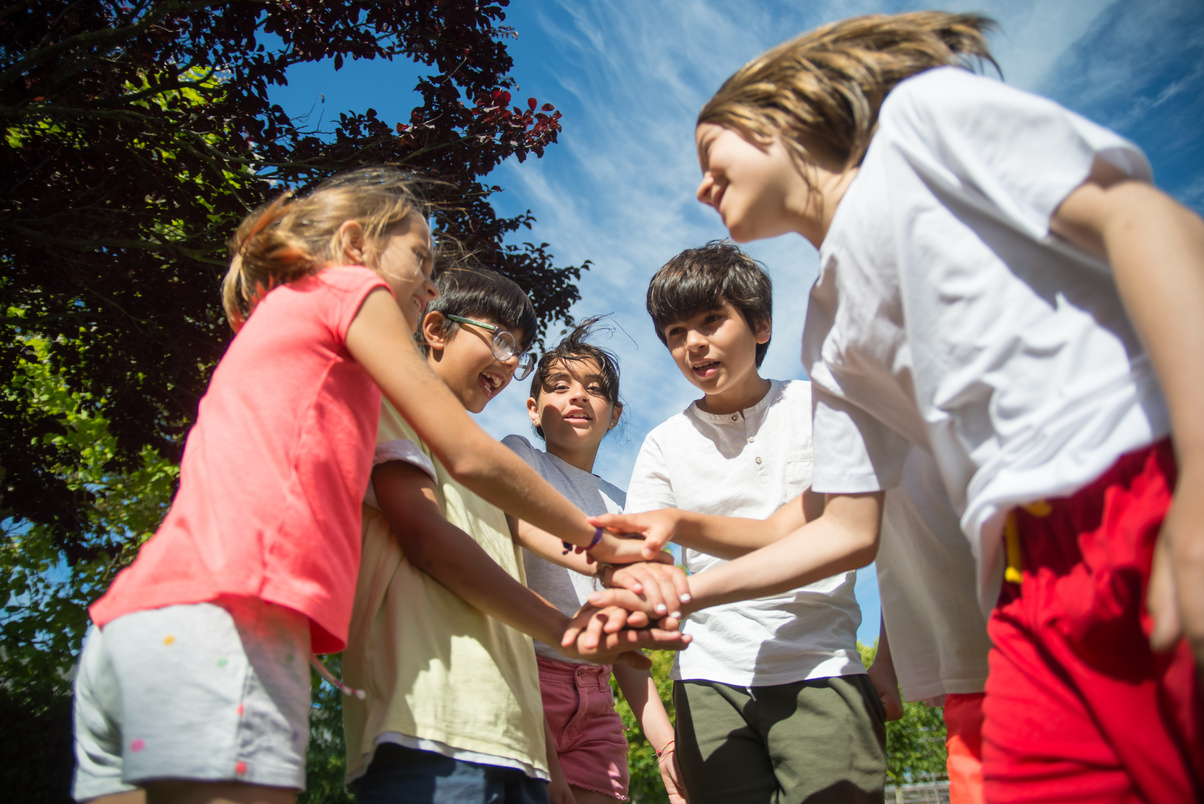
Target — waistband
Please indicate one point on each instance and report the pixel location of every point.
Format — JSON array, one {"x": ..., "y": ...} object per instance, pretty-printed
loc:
[{"x": 579, "y": 674}]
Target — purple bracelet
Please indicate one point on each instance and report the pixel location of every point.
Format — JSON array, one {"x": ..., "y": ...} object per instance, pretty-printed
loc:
[{"x": 569, "y": 547}]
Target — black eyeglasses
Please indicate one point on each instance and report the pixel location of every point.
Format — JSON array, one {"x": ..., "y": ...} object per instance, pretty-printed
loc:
[{"x": 503, "y": 346}]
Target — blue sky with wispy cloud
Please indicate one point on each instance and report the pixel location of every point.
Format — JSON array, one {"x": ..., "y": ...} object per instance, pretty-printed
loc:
[{"x": 629, "y": 77}]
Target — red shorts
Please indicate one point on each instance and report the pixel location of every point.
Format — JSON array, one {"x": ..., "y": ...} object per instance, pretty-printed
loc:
[
  {"x": 580, "y": 709},
  {"x": 1078, "y": 708}
]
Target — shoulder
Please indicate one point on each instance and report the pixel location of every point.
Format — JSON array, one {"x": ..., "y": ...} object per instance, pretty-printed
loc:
[
  {"x": 524, "y": 449},
  {"x": 668, "y": 431},
  {"x": 938, "y": 87},
  {"x": 794, "y": 392},
  {"x": 346, "y": 278},
  {"x": 518, "y": 443}
]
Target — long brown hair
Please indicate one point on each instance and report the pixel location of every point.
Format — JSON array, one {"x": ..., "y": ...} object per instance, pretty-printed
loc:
[
  {"x": 822, "y": 90},
  {"x": 289, "y": 237}
]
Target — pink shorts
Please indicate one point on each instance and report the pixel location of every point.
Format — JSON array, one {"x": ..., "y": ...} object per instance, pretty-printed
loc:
[{"x": 588, "y": 731}]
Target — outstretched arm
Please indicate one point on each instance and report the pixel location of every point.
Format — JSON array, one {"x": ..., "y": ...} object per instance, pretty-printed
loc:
[
  {"x": 1156, "y": 249},
  {"x": 379, "y": 340},
  {"x": 725, "y": 537},
  {"x": 658, "y": 580},
  {"x": 450, "y": 556},
  {"x": 845, "y": 537}
]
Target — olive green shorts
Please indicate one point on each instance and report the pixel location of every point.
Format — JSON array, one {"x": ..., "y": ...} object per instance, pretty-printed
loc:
[{"x": 822, "y": 740}]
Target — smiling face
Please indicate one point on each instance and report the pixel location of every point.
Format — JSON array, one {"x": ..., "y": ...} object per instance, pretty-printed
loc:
[
  {"x": 573, "y": 411},
  {"x": 760, "y": 190},
  {"x": 404, "y": 258},
  {"x": 464, "y": 361},
  {"x": 716, "y": 351}
]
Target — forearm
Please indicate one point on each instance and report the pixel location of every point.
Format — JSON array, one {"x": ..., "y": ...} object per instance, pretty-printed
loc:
[
  {"x": 732, "y": 537},
  {"x": 550, "y": 548},
  {"x": 378, "y": 340},
  {"x": 455, "y": 560},
  {"x": 639, "y": 689},
  {"x": 844, "y": 538}
]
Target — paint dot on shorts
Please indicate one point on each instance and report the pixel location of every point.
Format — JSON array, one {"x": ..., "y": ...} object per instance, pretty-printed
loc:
[
  {"x": 240, "y": 710},
  {"x": 240, "y": 768},
  {"x": 137, "y": 745},
  {"x": 221, "y": 662},
  {"x": 169, "y": 640}
]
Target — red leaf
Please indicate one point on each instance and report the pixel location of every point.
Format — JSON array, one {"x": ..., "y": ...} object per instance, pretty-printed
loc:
[{"x": 532, "y": 103}]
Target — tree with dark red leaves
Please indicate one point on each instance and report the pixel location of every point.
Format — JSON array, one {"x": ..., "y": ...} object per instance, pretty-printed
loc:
[{"x": 138, "y": 134}]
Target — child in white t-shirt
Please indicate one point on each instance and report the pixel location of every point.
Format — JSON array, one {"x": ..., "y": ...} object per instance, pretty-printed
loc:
[
  {"x": 772, "y": 699},
  {"x": 993, "y": 269}
]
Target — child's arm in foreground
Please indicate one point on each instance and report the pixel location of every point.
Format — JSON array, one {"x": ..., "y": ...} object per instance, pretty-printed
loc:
[
  {"x": 725, "y": 537},
  {"x": 658, "y": 580},
  {"x": 642, "y": 696},
  {"x": 844, "y": 537},
  {"x": 1156, "y": 249},
  {"x": 443, "y": 551},
  {"x": 379, "y": 341}
]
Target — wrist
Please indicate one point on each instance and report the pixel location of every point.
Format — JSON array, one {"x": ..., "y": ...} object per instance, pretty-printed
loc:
[{"x": 569, "y": 547}]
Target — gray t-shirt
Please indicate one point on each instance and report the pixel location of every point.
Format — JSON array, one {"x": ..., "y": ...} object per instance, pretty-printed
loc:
[{"x": 563, "y": 588}]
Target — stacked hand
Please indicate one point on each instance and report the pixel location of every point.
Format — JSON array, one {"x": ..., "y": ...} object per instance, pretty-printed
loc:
[{"x": 644, "y": 591}]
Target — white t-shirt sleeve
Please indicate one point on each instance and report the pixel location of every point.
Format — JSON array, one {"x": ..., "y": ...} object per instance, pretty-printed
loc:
[
  {"x": 854, "y": 452},
  {"x": 650, "y": 487},
  {"x": 1021, "y": 153}
]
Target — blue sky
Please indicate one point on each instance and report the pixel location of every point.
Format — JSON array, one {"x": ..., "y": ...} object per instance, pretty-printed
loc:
[{"x": 629, "y": 77}]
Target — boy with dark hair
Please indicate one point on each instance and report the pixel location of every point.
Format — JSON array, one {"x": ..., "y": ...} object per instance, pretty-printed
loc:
[
  {"x": 440, "y": 636},
  {"x": 773, "y": 703}
]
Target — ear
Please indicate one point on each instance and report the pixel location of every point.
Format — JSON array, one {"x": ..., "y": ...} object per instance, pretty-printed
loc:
[
  {"x": 350, "y": 239},
  {"x": 533, "y": 411},
  {"x": 432, "y": 330},
  {"x": 763, "y": 330},
  {"x": 615, "y": 415}
]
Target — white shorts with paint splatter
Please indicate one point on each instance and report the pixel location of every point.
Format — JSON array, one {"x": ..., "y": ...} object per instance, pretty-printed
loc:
[{"x": 207, "y": 691}]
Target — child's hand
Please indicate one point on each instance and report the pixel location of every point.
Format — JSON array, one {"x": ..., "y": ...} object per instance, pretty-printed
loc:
[
  {"x": 1176, "y": 592},
  {"x": 664, "y": 586},
  {"x": 656, "y": 527},
  {"x": 613, "y": 635},
  {"x": 618, "y": 549},
  {"x": 671, "y": 776},
  {"x": 636, "y": 604}
]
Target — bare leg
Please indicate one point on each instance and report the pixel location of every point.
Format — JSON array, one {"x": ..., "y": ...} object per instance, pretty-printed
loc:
[
  {"x": 132, "y": 797},
  {"x": 183, "y": 791},
  {"x": 583, "y": 796}
]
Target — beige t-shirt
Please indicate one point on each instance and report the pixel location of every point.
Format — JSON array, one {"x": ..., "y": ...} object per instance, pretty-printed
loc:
[{"x": 440, "y": 675}]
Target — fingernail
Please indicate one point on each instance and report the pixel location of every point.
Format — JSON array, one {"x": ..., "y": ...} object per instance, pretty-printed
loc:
[
  {"x": 661, "y": 608},
  {"x": 685, "y": 598},
  {"x": 675, "y": 615}
]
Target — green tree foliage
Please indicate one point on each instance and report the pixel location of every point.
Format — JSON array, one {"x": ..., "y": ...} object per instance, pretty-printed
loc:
[
  {"x": 646, "y": 784},
  {"x": 915, "y": 745},
  {"x": 137, "y": 133}
]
